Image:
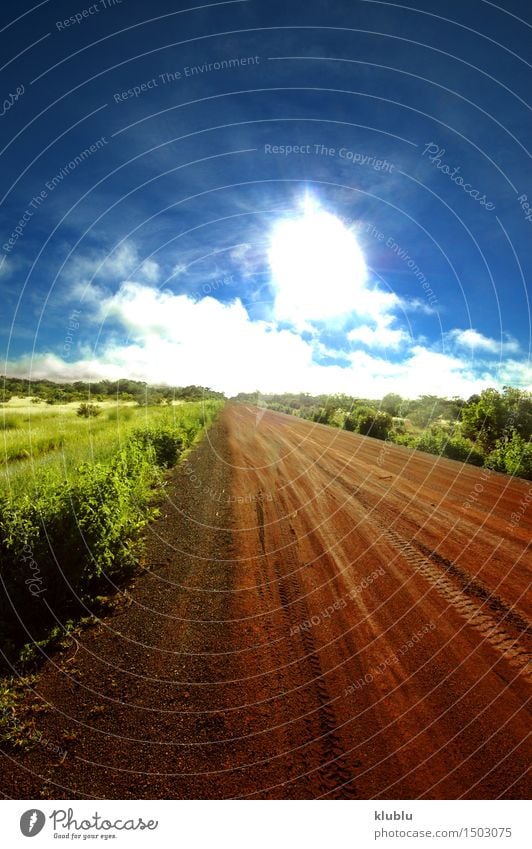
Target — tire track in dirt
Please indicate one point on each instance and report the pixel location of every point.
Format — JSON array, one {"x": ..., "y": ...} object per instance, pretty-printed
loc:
[
  {"x": 335, "y": 772},
  {"x": 455, "y": 584},
  {"x": 439, "y": 572}
]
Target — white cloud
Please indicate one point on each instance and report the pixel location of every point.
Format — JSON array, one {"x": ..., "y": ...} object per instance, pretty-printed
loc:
[
  {"x": 515, "y": 373},
  {"x": 244, "y": 256},
  {"x": 176, "y": 340},
  {"x": 477, "y": 341},
  {"x": 381, "y": 336},
  {"x": 427, "y": 372},
  {"x": 178, "y": 270},
  {"x": 5, "y": 268},
  {"x": 149, "y": 271},
  {"x": 422, "y": 372},
  {"x": 51, "y": 367},
  {"x": 163, "y": 337},
  {"x": 119, "y": 264}
]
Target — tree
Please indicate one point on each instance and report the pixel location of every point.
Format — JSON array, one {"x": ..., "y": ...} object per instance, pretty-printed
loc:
[
  {"x": 485, "y": 420},
  {"x": 424, "y": 410},
  {"x": 391, "y": 403},
  {"x": 56, "y": 396},
  {"x": 519, "y": 416}
]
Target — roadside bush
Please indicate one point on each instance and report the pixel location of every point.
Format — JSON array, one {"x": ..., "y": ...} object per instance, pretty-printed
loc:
[
  {"x": 459, "y": 448},
  {"x": 320, "y": 416},
  {"x": 350, "y": 423},
  {"x": 166, "y": 444},
  {"x": 338, "y": 418},
  {"x": 398, "y": 425},
  {"x": 406, "y": 439},
  {"x": 455, "y": 447},
  {"x": 518, "y": 457},
  {"x": 431, "y": 442},
  {"x": 496, "y": 460},
  {"x": 513, "y": 456},
  {"x": 371, "y": 422},
  {"x": 56, "y": 548}
]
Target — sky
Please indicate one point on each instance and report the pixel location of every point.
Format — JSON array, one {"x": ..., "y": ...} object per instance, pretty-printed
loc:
[{"x": 268, "y": 196}]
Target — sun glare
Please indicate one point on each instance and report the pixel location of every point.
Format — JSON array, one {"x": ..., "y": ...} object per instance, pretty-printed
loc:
[{"x": 318, "y": 269}]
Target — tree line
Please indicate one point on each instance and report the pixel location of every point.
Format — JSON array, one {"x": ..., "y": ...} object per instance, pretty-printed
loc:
[{"x": 51, "y": 392}]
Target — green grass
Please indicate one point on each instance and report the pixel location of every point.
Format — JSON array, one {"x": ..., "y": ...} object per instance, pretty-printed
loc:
[
  {"x": 72, "y": 513},
  {"x": 40, "y": 443}
]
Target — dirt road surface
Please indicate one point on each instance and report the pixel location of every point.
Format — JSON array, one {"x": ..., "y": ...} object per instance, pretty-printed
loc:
[{"x": 322, "y": 615}]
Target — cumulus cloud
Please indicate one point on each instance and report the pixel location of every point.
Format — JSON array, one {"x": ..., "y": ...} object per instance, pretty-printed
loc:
[
  {"x": 474, "y": 340},
  {"x": 164, "y": 337},
  {"x": 157, "y": 335},
  {"x": 380, "y": 336}
]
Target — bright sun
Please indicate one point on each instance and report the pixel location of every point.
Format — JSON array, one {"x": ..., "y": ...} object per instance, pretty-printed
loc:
[{"x": 318, "y": 269}]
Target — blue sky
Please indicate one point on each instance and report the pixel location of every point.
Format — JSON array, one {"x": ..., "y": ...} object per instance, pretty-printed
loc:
[{"x": 274, "y": 196}]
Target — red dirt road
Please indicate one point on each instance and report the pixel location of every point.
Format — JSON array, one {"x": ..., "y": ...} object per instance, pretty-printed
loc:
[{"x": 324, "y": 616}]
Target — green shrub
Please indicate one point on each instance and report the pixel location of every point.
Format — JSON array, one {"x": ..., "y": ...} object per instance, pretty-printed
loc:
[
  {"x": 512, "y": 455},
  {"x": 496, "y": 460},
  {"x": 371, "y": 422},
  {"x": 350, "y": 423},
  {"x": 88, "y": 411},
  {"x": 406, "y": 439},
  {"x": 56, "y": 548},
  {"x": 460, "y": 448},
  {"x": 438, "y": 441},
  {"x": 166, "y": 444},
  {"x": 431, "y": 442}
]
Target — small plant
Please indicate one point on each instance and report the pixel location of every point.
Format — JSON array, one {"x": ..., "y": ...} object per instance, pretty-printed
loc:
[
  {"x": 88, "y": 411},
  {"x": 13, "y": 732}
]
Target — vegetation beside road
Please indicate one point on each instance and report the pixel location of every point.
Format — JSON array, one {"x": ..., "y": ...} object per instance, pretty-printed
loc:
[{"x": 68, "y": 531}]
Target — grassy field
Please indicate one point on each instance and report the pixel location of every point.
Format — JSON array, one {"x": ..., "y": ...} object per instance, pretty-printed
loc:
[
  {"x": 44, "y": 445},
  {"x": 75, "y": 495}
]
